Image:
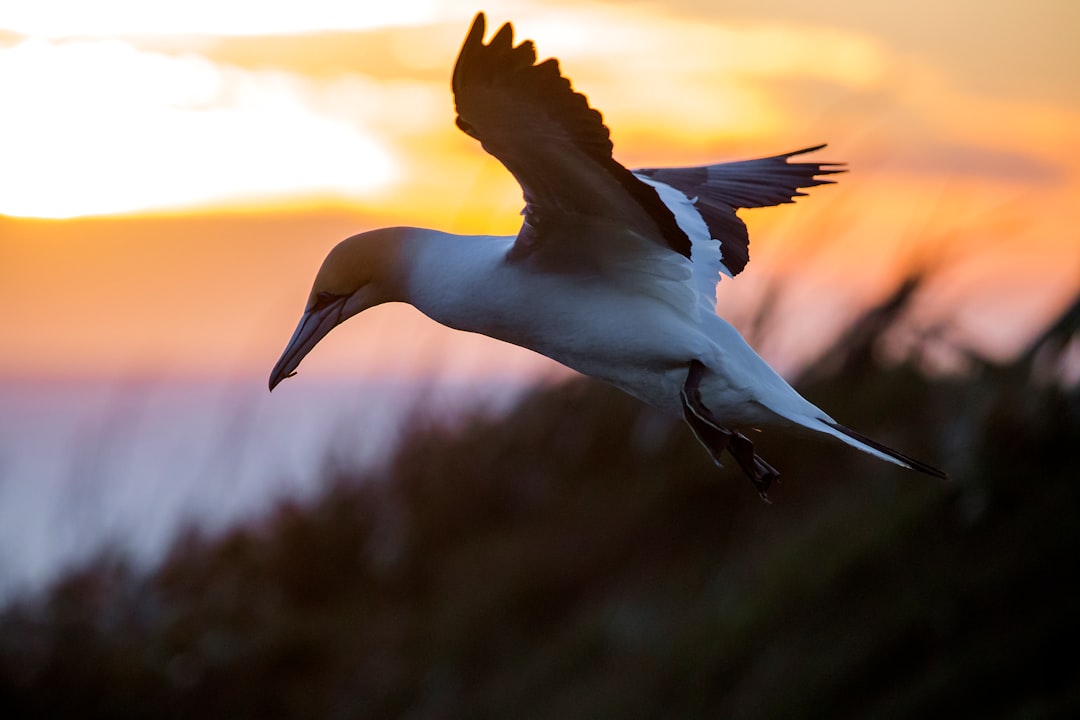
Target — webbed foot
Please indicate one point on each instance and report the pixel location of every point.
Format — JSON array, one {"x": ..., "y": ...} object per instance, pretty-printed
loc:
[{"x": 716, "y": 438}]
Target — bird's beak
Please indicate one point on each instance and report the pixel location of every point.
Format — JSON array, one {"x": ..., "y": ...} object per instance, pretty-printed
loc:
[{"x": 313, "y": 327}]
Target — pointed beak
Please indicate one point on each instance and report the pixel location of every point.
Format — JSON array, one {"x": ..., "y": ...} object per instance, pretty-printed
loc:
[{"x": 313, "y": 327}]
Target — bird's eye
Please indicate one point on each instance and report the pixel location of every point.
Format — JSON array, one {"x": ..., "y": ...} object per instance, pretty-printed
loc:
[{"x": 322, "y": 300}]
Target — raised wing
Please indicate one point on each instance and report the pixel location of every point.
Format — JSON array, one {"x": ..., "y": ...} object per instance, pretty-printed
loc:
[
  {"x": 717, "y": 191},
  {"x": 557, "y": 147}
]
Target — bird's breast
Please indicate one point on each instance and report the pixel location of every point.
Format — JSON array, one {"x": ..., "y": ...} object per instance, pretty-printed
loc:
[
  {"x": 584, "y": 324},
  {"x": 609, "y": 330}
]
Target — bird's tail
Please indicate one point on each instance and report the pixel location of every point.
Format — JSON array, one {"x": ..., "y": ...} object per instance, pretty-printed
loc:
[{"x": 873, "y": 447}]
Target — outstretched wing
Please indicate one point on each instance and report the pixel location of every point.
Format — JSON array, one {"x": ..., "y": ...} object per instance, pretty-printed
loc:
[
  {"x": 717, "y": 191},
  {"x": 529, "y": 117}
]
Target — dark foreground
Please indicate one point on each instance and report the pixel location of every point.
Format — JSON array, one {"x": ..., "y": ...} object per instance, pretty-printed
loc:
[{"x": 581, "y": 558}]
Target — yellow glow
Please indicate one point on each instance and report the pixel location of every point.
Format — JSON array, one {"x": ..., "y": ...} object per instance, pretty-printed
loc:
[
  {"x": 322, "y": 135},
  {"x": 679, "y": 81},
  {"x": 98, "y": 126},
  {"x": 59, "y": 18},
  {"x": 120, "y": 128},
  {"x": 644, "y": 40}
]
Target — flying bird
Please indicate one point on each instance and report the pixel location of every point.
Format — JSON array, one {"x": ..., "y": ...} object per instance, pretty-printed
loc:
[{"x": 613, "y": 272}]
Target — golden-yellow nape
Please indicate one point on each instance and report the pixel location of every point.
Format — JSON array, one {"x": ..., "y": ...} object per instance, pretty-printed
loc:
[{"x": 370, "y": 260}]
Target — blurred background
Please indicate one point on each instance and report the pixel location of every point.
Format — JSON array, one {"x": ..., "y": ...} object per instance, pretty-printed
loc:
[{"x": 426, "y": 523}]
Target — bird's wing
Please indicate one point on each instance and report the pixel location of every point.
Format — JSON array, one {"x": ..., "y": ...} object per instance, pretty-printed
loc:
[
  {"x": 717, "y": 191},
  {"x": 584, "y": 211}
]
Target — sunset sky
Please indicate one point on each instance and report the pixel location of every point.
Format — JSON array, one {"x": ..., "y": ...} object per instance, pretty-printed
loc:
[{"x": 172, "y": 173}]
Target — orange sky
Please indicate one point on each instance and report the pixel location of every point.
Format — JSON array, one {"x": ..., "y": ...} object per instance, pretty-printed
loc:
[{"x": 171, "y": 182}]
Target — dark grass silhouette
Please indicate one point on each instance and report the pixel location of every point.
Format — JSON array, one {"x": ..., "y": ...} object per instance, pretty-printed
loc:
[{"x": 581, "y": 557}]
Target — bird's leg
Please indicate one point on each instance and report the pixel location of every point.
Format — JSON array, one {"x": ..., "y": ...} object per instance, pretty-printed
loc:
[
  {"x": 761, "y": 473},
  {"x": 716, "y": 439}
]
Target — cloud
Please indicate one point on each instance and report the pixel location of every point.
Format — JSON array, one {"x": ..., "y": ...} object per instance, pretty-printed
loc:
[
  {"x": 66, "y": 18},
  {"x": 960, "y": 160},
  {"x": 105, "y": 125},
  {"x": 98, "y": 126}
]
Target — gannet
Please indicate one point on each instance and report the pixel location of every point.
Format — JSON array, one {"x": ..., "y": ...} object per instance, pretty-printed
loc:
[{"x": 613, "y": 272}]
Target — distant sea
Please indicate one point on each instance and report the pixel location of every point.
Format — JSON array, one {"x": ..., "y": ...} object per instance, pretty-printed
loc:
[{"x": 94, "y": 464}]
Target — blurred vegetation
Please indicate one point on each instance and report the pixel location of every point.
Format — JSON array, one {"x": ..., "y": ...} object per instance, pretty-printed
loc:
[{"x": 581, "y": 558}]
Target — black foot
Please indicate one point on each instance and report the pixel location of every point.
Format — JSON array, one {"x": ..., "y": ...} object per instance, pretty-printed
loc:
[
  {"x": 717, "y": 439},
  {"x": 761, "y": 473}
]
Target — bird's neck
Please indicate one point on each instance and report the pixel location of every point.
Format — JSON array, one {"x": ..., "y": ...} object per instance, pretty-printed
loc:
[{"x": 445, "y": 272}]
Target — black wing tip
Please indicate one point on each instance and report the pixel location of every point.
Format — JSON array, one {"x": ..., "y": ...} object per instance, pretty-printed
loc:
[
  {"x": 499, "y": 63},
  {"x": 906, "y": 460},
  {"x": 475, "y": 36},
  {"x": 805, "y": 151},
  {"x": 505, "y": 34},
  {"x": 503, "y": 39},
  {"x": 823, "y": 168},
  {"x": 498, "y": 54},
  {"x": 499, "y": 66}
]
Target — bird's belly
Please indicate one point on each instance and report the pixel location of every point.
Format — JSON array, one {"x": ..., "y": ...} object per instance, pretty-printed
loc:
[
  {"x": 646, "y": 350},
  {"x": 640, "y": 347},
  {"x": 637, "y": 342}
]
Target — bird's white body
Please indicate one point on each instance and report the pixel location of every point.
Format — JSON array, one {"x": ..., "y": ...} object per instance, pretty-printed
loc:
[{"x": 639, "y": 342}]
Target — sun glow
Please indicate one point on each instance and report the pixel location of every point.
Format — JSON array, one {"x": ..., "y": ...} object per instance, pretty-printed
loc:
[
  {"x": 222, "y": 158},
  {"x": 101, "y": 118},
  {"x": 67, "y": 18},
  {"x": 99, "y": 126}
]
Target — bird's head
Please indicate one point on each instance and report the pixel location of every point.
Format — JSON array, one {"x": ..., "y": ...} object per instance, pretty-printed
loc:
[{"x": 359, "y": 273}]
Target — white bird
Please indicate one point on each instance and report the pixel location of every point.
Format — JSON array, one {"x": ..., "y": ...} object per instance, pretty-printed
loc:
[{"x": 613, "y": 272}]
